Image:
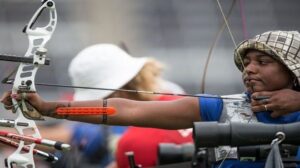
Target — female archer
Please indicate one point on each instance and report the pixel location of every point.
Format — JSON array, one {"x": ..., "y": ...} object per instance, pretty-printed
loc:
[{"x": 269, "y": 62}]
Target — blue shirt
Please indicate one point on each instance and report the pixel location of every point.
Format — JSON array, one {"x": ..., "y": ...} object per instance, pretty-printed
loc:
[
  {"x": 211, "y": 110},
  {"x": 92, "y": 141}
]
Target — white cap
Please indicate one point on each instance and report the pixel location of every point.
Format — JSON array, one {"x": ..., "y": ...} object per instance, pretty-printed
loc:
[{"x": 102, "y": 66}]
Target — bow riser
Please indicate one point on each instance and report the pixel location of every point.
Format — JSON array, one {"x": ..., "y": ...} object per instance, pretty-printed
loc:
[
  {"x": 38, "y": 38},
  {"x": 24, "y": 82}
]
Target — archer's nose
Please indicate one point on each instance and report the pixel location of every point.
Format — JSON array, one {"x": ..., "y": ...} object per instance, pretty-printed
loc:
[{"x": 251, "y": 68}]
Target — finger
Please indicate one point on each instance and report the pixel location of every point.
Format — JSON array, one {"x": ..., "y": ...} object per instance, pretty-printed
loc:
[
  {"x": 261, "y": 98},
  {"x": 8, "y": 107},
  {"x": 257, "y": 108},
  {"x": 7, "y": 100},
  {"x": 259, "y": 102},
  {"x": 275, "y": 114},
  {"x": 262, "y": 108},
  {"x": 264, "y": 101},
  {"x": 261, "y": 95},
  {"x": 5, "y": 96},
  {"x": 254, "y": 102}
]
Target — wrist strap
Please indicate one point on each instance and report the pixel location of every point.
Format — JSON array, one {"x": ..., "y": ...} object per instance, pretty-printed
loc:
[{"x": 104, "y": 115}]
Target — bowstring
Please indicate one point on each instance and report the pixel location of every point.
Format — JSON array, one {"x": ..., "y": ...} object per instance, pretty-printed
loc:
[{"x": 240, "y": 58}]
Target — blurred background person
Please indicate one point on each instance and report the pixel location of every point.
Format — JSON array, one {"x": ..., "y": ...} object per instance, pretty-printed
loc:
[{"x": 108, "y": 66}]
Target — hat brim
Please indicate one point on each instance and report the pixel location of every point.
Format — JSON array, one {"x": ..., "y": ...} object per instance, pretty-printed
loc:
[{"x": 241, "y": 50}]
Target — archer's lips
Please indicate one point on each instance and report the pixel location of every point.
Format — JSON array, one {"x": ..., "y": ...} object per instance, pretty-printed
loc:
[{"x": 250, "y": 80}]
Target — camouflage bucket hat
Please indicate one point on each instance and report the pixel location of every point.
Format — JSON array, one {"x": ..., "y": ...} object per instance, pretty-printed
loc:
[{"x": 281, "y": 45}]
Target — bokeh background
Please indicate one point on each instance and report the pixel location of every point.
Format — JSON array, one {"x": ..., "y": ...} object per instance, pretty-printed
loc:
[{"x": 179, "y": 33}]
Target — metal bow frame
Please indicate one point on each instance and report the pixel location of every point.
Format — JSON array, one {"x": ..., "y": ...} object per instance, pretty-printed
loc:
[{"x": 28, "y": 134}]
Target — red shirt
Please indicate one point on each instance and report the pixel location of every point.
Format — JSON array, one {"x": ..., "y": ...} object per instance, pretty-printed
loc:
[{"x": 144, "y": 142}]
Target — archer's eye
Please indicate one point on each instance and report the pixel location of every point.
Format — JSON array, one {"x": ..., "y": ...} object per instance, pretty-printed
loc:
[
  {"x": 246, "y": 62},
  {"x": 263, "y": 62}
]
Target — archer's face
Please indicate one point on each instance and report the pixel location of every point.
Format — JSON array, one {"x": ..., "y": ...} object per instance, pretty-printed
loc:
[{"x": 263, "y": 73}]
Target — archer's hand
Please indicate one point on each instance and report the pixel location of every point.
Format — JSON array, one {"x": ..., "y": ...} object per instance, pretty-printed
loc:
[
  {"x": 33, "y": 99},
  {"x": 280, "y": 102}
]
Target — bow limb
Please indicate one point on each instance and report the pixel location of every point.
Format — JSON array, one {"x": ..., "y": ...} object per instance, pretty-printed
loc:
[
  {"x": 217, "y": 37},
  {"x": 24, "y": 82},
  {"x": 229, "y": 30}
]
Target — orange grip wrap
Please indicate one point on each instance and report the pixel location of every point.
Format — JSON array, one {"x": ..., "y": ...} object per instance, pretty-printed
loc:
[{"x": 85, "y": 110}]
